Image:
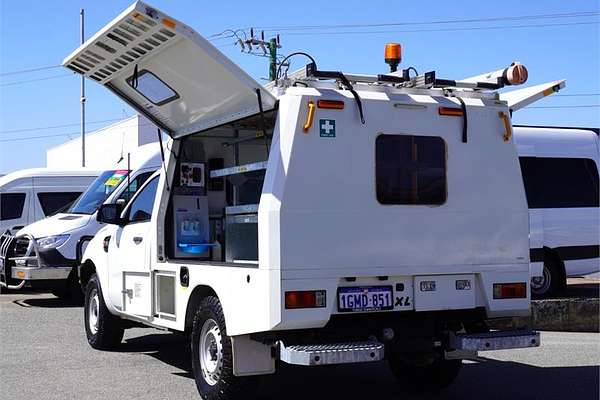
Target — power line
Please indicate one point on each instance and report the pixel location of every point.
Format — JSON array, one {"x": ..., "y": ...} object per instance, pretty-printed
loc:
[
  {"x": 23, "y": 138},
  {"x": 435, "y": 22},
  {"x": 24, "y": 71},
  {"x": 473, "y": 28},
  {"x": 574, "y": 106},
  {"x": 235, "y": 32},
  {"x": 35, "y": 80},
  {"x": 41, "y": 128},
  {"x": 37, "y": 137},
  {"x": 576, "y": 95}
]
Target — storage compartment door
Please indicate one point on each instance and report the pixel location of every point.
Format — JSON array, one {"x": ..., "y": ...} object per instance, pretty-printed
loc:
[{"x": 137, "y": 294}]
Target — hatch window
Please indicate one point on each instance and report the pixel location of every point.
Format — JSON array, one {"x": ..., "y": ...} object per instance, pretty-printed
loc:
[
  {"x": 152, "y": 88},
  {"x": 410, "y": 169}
]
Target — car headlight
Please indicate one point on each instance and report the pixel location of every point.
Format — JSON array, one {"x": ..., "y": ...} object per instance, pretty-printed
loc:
[{"x": 52, "y": 242}]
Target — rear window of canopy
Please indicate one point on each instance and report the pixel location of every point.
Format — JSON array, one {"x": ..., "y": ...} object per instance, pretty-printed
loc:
[{"x": 152, "y": 88}]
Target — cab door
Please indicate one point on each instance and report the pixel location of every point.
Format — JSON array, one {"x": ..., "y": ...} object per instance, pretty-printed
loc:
[{"x": 130, "y": 282}]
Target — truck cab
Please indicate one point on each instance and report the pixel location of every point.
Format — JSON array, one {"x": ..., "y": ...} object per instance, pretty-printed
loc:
[
  {"x": 47, "y": 253},
  {"x": 324, "y": 218}
]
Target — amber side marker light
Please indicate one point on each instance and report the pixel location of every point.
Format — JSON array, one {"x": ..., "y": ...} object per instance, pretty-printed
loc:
[
  {"x": 450, "y": 111},
  {"x": 331, "y": 104},
  {"x": 516, "y": 290},
  {"x": 305, "y": 299}
]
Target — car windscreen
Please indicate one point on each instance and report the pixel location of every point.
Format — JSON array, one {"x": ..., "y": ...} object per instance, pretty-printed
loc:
[{"x": 98, "y": 192}]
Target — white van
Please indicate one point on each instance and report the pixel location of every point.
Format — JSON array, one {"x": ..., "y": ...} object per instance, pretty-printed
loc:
[
  {"x": 560, "y": 173},
  {"x": 361, "y": 217},
  {"x": 47, "y": 252},
  {"x": 29, "y": 195}
]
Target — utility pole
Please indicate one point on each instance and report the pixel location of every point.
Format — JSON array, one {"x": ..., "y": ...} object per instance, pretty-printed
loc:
[
  {"x": 273, "y": 44},
  {"x": 272, "y": 59},
  {"x": 82, "y": 99}
]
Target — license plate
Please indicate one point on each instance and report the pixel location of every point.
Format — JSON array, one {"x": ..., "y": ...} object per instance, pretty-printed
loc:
[{"x": 365, "y": 298}]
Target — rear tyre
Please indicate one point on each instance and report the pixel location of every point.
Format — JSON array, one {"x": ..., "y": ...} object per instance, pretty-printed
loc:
[
  {"x": 429, "y": 378},
  {"x": 104, "y": 331},
  {"x": 552, "y": 282},
  {"x": 212, "y": 357}
]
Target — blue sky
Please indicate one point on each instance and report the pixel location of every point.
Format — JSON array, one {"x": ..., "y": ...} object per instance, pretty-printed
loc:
[{"x": 41, "y": 33}]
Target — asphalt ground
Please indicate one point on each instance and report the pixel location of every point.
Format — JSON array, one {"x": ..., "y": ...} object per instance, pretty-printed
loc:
[{"x": 44, "y": 355}]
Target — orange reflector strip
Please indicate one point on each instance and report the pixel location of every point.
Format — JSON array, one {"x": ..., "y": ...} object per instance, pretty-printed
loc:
[
  {"x": 548, "y": 91},
  {"x": 510, "y": 290},
  {"x": 331, "y": 104},
  {"x": 20, "y": 274},
  {"x": 168, "y": 22},
  {"x": 449, "y": 111}
]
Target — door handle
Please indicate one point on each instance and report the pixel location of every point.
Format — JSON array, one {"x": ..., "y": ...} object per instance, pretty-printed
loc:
[
  {"x": 18, "y": 227},
  {"x": 138, "y": 239}
]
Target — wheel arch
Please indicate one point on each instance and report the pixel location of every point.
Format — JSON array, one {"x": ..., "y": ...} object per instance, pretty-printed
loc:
[
  {"x": 86, "y": 270},
  {"x": 200, "y": 292}
]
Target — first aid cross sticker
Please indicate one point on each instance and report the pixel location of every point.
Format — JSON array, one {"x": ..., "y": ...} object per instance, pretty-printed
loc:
[{"x": 327, "y": 127}]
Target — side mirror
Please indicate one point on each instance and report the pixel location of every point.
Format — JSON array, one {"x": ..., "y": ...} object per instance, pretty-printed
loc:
[{"x": 110, "y": 214}]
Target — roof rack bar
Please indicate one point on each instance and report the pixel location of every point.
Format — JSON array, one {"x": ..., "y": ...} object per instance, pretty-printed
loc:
[{"x": 466, "y": 85}]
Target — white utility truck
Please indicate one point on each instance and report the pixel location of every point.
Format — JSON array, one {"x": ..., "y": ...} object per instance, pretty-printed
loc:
[
  {"x": 326, "y": 218},
  {"x": 47, "y": 253}
]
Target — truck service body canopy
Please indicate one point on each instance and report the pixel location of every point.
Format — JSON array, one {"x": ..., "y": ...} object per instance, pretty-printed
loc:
[{"x": 168, "y": 72}]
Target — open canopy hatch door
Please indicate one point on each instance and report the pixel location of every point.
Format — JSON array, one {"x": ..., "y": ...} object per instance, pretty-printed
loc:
[
  {"x": 168, "y": 72},
  {"x": 521, "y": 98}
]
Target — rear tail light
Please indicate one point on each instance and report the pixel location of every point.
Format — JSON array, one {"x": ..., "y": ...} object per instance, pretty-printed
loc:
[
  {"x": 510, "y": 290},
  {"x": 305, "y": 299}
]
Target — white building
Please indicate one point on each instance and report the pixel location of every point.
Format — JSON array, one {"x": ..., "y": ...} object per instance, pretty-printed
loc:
[{"x": 105, "y": 146}]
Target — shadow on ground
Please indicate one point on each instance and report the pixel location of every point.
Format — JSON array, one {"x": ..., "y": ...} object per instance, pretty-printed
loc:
[
  {"x": 47, "y": 302},
  {"x": 483, "y": 379}
]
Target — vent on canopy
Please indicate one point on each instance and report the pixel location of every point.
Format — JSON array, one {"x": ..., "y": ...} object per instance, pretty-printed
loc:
[{"x": 126, "y": 42}]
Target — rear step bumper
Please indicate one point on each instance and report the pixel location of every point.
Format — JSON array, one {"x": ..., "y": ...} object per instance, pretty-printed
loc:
[
  {"x": 495, "y": 340},
  {"x": 327, "y": 354}
]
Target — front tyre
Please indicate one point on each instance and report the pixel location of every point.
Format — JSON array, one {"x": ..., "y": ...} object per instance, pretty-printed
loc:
[
  {"x": 427, "y": 378},
  {"x": 104, "y": 331},
  {"x": 212, "y": 357}
]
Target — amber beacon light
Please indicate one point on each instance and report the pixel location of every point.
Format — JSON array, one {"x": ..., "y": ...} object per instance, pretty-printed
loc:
[{"x": 393, "y": 55}]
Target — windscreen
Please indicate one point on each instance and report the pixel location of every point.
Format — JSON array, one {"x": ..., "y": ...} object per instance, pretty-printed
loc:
[{"x": 98, "y": 192}]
